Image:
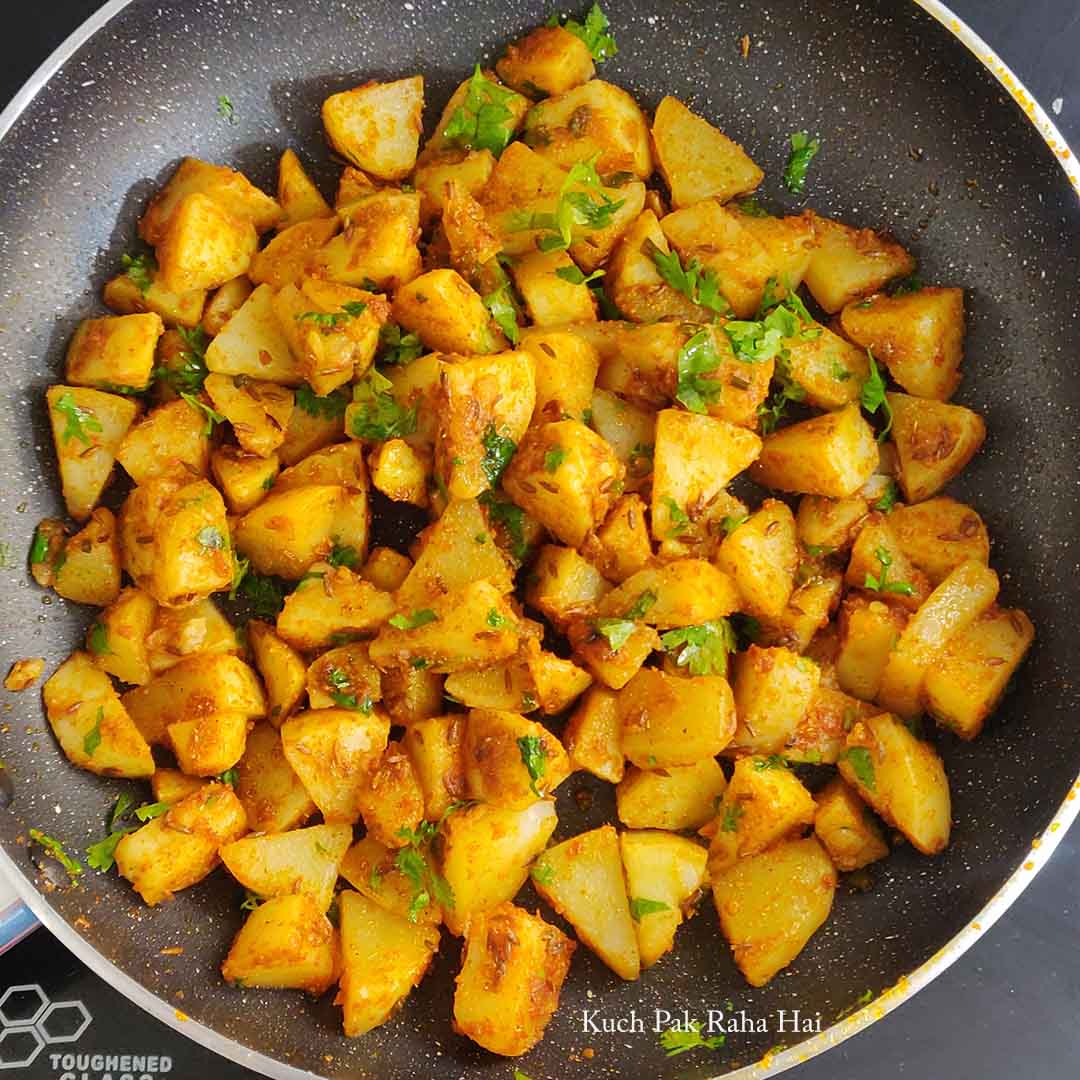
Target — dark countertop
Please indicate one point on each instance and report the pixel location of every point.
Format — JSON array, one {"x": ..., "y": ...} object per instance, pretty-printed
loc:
[{"x": 1007, "y": 1008}]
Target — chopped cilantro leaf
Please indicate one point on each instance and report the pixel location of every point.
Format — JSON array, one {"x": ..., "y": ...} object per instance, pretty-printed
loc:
[
  {"x": 880, "y": 583},
  {"x": 53, "y": 846},
  {"x": 415, "y": 620},
  {"x": 862, "y": 765},
  {"x": 873, "y": 397},
  {"x": 534, "y": 758},
  {"x": 641, "y": 906},
  {"x": 498, "y": 450},
  {"x": 92, "y": 739},
  {"x": 675, "y": 1041},
  {"x": 225, "y": 108},
  {"x": 543, "y": 873},
  {"x": 140, "y": 269},
  {"x": 888, "y": 498},
  {"x": 378, "y": 416},
  {"x": 212, "y": 417},
  {"x": 80, "y": 421},
  {"x": 697, "y": 360},
  {"x": 678, "y": 519},
  {"x": 343, "y": 555},
  {"x": 98, "y": 639},
  {"x": 803, "y": 151},
  {"x": 483, "y": 121},
  {"x": 702, "y": 649},
  {"x": 398, "y": 348},
  {"x": 152, "y": 810},
  {"x": 328, "y": 407},
  {"x": 616, "y": 631},
  {"x": 593, "y": 31},
  {"x": 553, "y": 459},
  {"x": 575, "y": 275},
  {"x": 698, "y": 283}
]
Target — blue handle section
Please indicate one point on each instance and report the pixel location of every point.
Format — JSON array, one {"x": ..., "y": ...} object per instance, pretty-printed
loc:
[{"x": 16, "y": 921}]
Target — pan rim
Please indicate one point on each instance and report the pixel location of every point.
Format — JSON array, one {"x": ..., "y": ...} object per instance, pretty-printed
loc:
[{"x": 772, "y": 1064}]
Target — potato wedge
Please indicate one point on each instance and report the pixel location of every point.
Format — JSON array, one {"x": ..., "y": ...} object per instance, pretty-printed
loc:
[
  {"x": 273, "y": 797},
  {"x": 377, "y": 126},
  {"x": 850, "y": 835},
  {"x": 678, "y": 797}
]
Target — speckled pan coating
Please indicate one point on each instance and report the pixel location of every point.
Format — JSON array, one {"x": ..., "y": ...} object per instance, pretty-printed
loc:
[{"x": 917, "y": 137}]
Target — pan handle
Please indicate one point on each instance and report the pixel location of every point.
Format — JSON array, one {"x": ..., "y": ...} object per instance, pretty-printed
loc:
[{"x": 16, "y": 919}]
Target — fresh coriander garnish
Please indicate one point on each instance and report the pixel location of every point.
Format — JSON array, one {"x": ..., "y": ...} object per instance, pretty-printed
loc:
[
  {"x": 880, "y": 583},
  {"x": 413, "y": 621},
  {"x": 729, "y": 523},
  {"x": 534, "y": 758},
  {"x": 543, "y": 873},
  {"x": 98, "y": 639},
  {"x": 343, "y": 555},
  {"x": 81, "y": 423},
  {"x": 251, "y": 901},
  {"x": 39, "y": 547},
  {"x": 775, "y": 409},
  {"x": 702, "y": 649},
  {"x": 328, "y": 407},
  {"x": 773, "y": 761},
  {"x": 496, "y": 620},
  {"x": 641, "y": 605},
  {"x": 330, "y": 320},
  {"x": 888, "y": 498},
  {"x": 398, "y": 348},
  {"x": 483, "y": 121},
  {"x": 730, "y": 821},
  {"x": 752, "y": 208},
  {"x": 511, "y": 517},
  {"x": 862, "y": 765},
  {"x": 140, "y": 269},
  {"x": 266, "y": 594},
  {"x": 803, "y": 151},
  {"x": 226, "y": 109},
  {"x": 340, "y": 684},
  {"x": 191, "y": 373},
  {"x": 212, "y": 417},
  {"x": 616, "y": 631},
  {"x": 675, "y": 1041},
  {"x": 679, "y": 523},
  {"x": 873, "y": 397},
  {"x": 910, "y": 284},
  {"x": 413, "y": 863},
  {"x": 576, "y": 277},
  {"x": 92, "y": 739},
  {"x": 553, "y": 459},
  {"x": 53, "y": 846},
  {"x": 501, "y": 305},
  {"x": 641, "y": 906},
  {"x": 640, "y": 461},
  {"x": 698, "y": 283},
  {"x": 697, "y": 360},
  {"x": 229, "y": 776},
  {"x": 498, "y": 450},
  {"x": 149, "y": 811},
  {"x": 379, "y": 416},
  {"x": 210, "y": 539},
  {"x": 593, "y": 31}
]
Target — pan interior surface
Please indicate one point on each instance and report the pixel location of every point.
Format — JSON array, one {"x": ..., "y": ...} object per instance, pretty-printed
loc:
[{"x": 918, "y": 138}]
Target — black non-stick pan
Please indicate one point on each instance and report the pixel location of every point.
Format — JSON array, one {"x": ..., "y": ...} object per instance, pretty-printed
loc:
[{"x": 918, "y": 137}]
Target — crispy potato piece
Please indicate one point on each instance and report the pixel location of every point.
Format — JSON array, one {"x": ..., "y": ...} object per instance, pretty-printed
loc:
[
  {"x": 696, "y": 160},
  {"x": 170, "y": 441},
  {"x": 411, "y": 694},
  {"x": 850, "y": 835},
  {"x": 285, "y": 259},
  {"x": 291, "y": 529},
  {"x": 126, "y": 296},
  {"x": 297, "y": 195},
  {"x": 372, "y": 870},
  {"x": 307, "y": 433},
  {"x": 512, "y": 970},
  {"x": 820, "y": 737},
  {"x": 251, "y": 343},
  {"x": 592, "y": 247},
  {"x": 564, "y": 584},
  {"x": 138, "y": 519},
  {"x": 919, "y": 335},
  {"x": 583, "y": 881},
  {"x": 664, "y": 875},
  {"x": 353, "y": 185},
  {"x": 808, "y": 610},
  {"x": 557, "y": 682},
  {"x": 210, "y": 744},
  {"x": 545, "y": 281},
  {"x": 770, "y": 905},
  {"x": 631, "y": 433},
  {"x": 344, "y": 676},
  {"x": 902, "y": 778},
  {"x": 964, "y": 686},
  {"x": 788, "y": 241},
  {"x": 564, "y": 475},
  {"x": 386, "y": 569},
  {"x": 548, "y": 60},
  {"x": 952, "y": 607},
  {"x": 434, "y": 745},
  {"x": 831, "y": 370},
  {"x": 832, "y": 455},
  {"x": 334, "y": 752},
  {"x": 622, "y": 546},
  {"x": 194, "y": 628},
  {"x": 274, "y": 799},
  {"x": 877, "y": 559},
  {"x": 447, "y": 313},
  {"x": 171, "y": 785},
  {"x": 773, "y": 689},
  {"x": 508, "y": 686},
  {"x": 287, "y": 943},
  {"x": 88, "y": 571},
  {"x": 179, "y": 849},
  {"x": 486, "y": 852},
  {"x": 511, "y": 761},
  {"x": 678, "y": 797},
  {"x": 850, "y": 263},
  {"x": 613, "y": 667},
  {"x": 192, "y": 558},
  {"x": 565, "y": 368},
  {"x": 869, "y": 630},
  {"x": 828, "y": 525},
  {"x": 934, "y": 442},
  {"x": 332, "y": 606},
  {"x": 204, "y": 245},
  {"x": 449, "y": 183},
  {"x": 116, "y": 351},
  {"x": 224, "y": 303},
  {"x": 939, "y": 534},
  {"x": 287, "y": 863},
  {"x": 88, "y": 427},
  {"x": 674, "y": 721},
  {"x": 400, "y": 472},
  {"x": 593, "y": 735},
  {"x": 377, "y": 126},
  {"x": 118, "y": 639},
  {"x": 91, "y": 723},
  {"x": 683, "y": 593},
  {"x": 282, "y": 669},
  {"x": 243, "y": 478},
  {"x": 392, "y": 801},
  {"x": 761, "y": 557}
]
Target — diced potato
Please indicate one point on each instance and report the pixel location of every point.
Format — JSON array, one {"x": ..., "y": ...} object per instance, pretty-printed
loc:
[
  {"x": 88, "y": 570},
  {"x": 434, "y": 745},
  {"x": 307, "y": 433},
  {"x": 696, "y": 160},
  {"x": 820, "y": 737},
  {"x": 90, "y": 722},
  {"x": 372, "y": 870},
  {"x": 902, "y": 778},
  {"x": 204, "y": 245},
  {"x": 548, "y": 60},
  {"x": 631, "y": 432},
  {"x": 694, "y": 460},
  {"x": 613, "y": 667},
  {"x": 850, "y": 835},
  {"x": 258, "y": 411},
  {"x": 344, "y": 676},
  {"x": 333, "y": 752},
  {"x": 473, "y": 627},
  {"x": 386, "y": 569},
  {"x": 939, "y": 534},
  {"x": 272, "y": 795},
  {"x": 224, "y": 303},
  {"x": 919, "y": 335},
  {"x": 180, "y": 848},
  {"x": 771, "y": 904},
  {"x": 486, "y": 854},
  {"x": 595, "y": 121},
  {"x": 877, "y": 558},
  {"x": 285, "y": 259},
  {"x": 809, "y": 609},
  {"x": 400, "y": 472},
  {"x": 788, "y": 241},
  {"x": 827, "y": 525},
  {"x": 511, "y": 761},
  {"x": 392, "y": 801},
  {"x": 447, "y": 313},
  {"x": 331, "y": 606},
  {"x": 851, "y": 263},
  {"x": 88, "y": 427},
  {"x": 683, "y": 593},
  {"x": 622, "y": 545},
  {"x": 126, "y": 296},
  {"x": 171, "y": 785},
  {"x": 964, "y": 686},
  {"x": 138, "y": 519},
  {"x": 117, "y": 351},
  {"x": 210, "y": 744},
  {"x": 593, "y": 735},
  {"x": 565, "y": 371},
  {"x": 545, "y": 281},
  {"x": 377, "y": 126},
  {"x": 170, "y": 441},
  {"x": 290, "y": 530},
  {"x": 282, "y": 669},
  {"x": 773, "y": 689},
  {"x": 563, "y": 584},
  {"x": 378, "y": 246},
  {"x": 934, "y": 442},
  {"x": 287, "y": 943},
  {"x": 251, "y": 343},
  {"x": 411, "y": 694},
  {"x": 384, "y": 956},
  {"x": 557, "y": 683},
  {"x": 678, "y": 797},
  {"x": 593, "y": 247},
  {"x": 952, "y": 607},
  {"x": 831, "y": 370},
  {"x": 869, "y": 630},
  {"x": 299, "y": 198},
  {"x": 185, "y": 631},
  {"x": 283, "y": 864},
  {"x": 674, "y": 721},
  {"x": 512, "y": 970},
  {"x": 228, "y": 188},
  {"x": 564, "y": 475},
  {"x": 243, "y": 478},
  {"x": 466, "y": 172},
  {"x": 832, "y": 455},
  {"x": 192, "y": 558},
  {"x": 117, "y": 640},
  {"x": 353, "y": 185},
  {"x": 761, "y": 557},
  {"x": 664, "y": 875}
]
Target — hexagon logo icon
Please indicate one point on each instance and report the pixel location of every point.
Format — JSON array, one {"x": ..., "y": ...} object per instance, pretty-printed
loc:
[
  {"x": 29, "y": 1022},
  {"x": 19, "y": 1046},
  {"x": 63, "y": 1022},
  {"x": 22, "y": 1005}
]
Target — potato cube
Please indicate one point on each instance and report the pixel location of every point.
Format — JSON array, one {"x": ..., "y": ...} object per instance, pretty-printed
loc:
[
  {"x": 582, "y": 879},
  {"x": 210, "y": 744},
  {"x": 88, "y": 571},
  {"x": 593, "y": 735},
  {"x": 674, "y": 721},
  {"x": 850, "y": 835},
  {"x": 412, "y": 693},
  {"x": 377, "y": 126},
  {"x": 563, "y": 584},
  {"x": 773, "y": 689},
  {"x": 170, "y": 441},
  {"x": 548, "y": 60},
  {"x": 204, "y": 245},
  {"x": 831, "y": 370},
  {"x": 486, "y": 854},
  {"x": 564, "y": 475},
  {"x": 696, "y": 160},
  {"x": 386, "y": 569},
  {"x": 827, "y": 525},
  {"x": 90, "y": 722},
  {"x": 434, "y": 745},
  {"x": 287, "y": 943},
  {"x": 832, "y": 455},
  {"x": 224, "y": 304},
  {"x": 251, "y": 344},
  {"x": 118, "y": 639},
  {"x": 821, "y": 735},
  {"x": 878, "y": 565},
  {"x": 344, "y": 676},
  {"x": 849, "y": 263},
  {"x": 902, "y": 778},
  {"x": 88, "y": 427},
  {"x": 685, "y": 592},
  {"x": 274, "y": 800},
  {"x": 332, "y": 606},
  {"x": 192, "y": 557},
  {"x": 546, "y": 283},
  {"x": 258, "y": 411},
  {"x": 678, "y": 797},
  {"x": 285, "y": 259},
  {"x": 869, "y": 630},
  {"x": 114, "y": 352},
  {"x": 400, "y": 472},
  {"x": 512, "y": 970},
  {"x": 631, "y": 433},
  {"x": 939, "y": 534},
  {"x": 383, "y": 957},
  {"x": 761, "y": 557},
  {"x": 919, "y": 335},
  {"x": 127, "y": 295},
  {"x": 557, "y": 683},
  {"x": 449, "y": 183},
  {"x": 299, "y": 198},
  {"x": 612, "y": 666},
  {"x": 808, "y": 611},
  {"x": 447, "y": 313},
  {"x": 171, "y": 785},
  {"x": 392, "y": 801},
  {"x": 771, "y": 904},
  {"x": 290, "y": 530},
  {"x": 788, "y": 241},
  {"x": 243, "y": 478},
  {"x": 966, "y": 683},
  {"x": 187, "y": 631},
  {"x": 372, "y": 870},
  {"x": 622, "y": 546},
  {"x": 282, "y": 669}
]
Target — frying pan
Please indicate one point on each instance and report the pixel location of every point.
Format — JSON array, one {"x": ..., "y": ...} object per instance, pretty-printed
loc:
[{"x": 918, "y": 138}]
